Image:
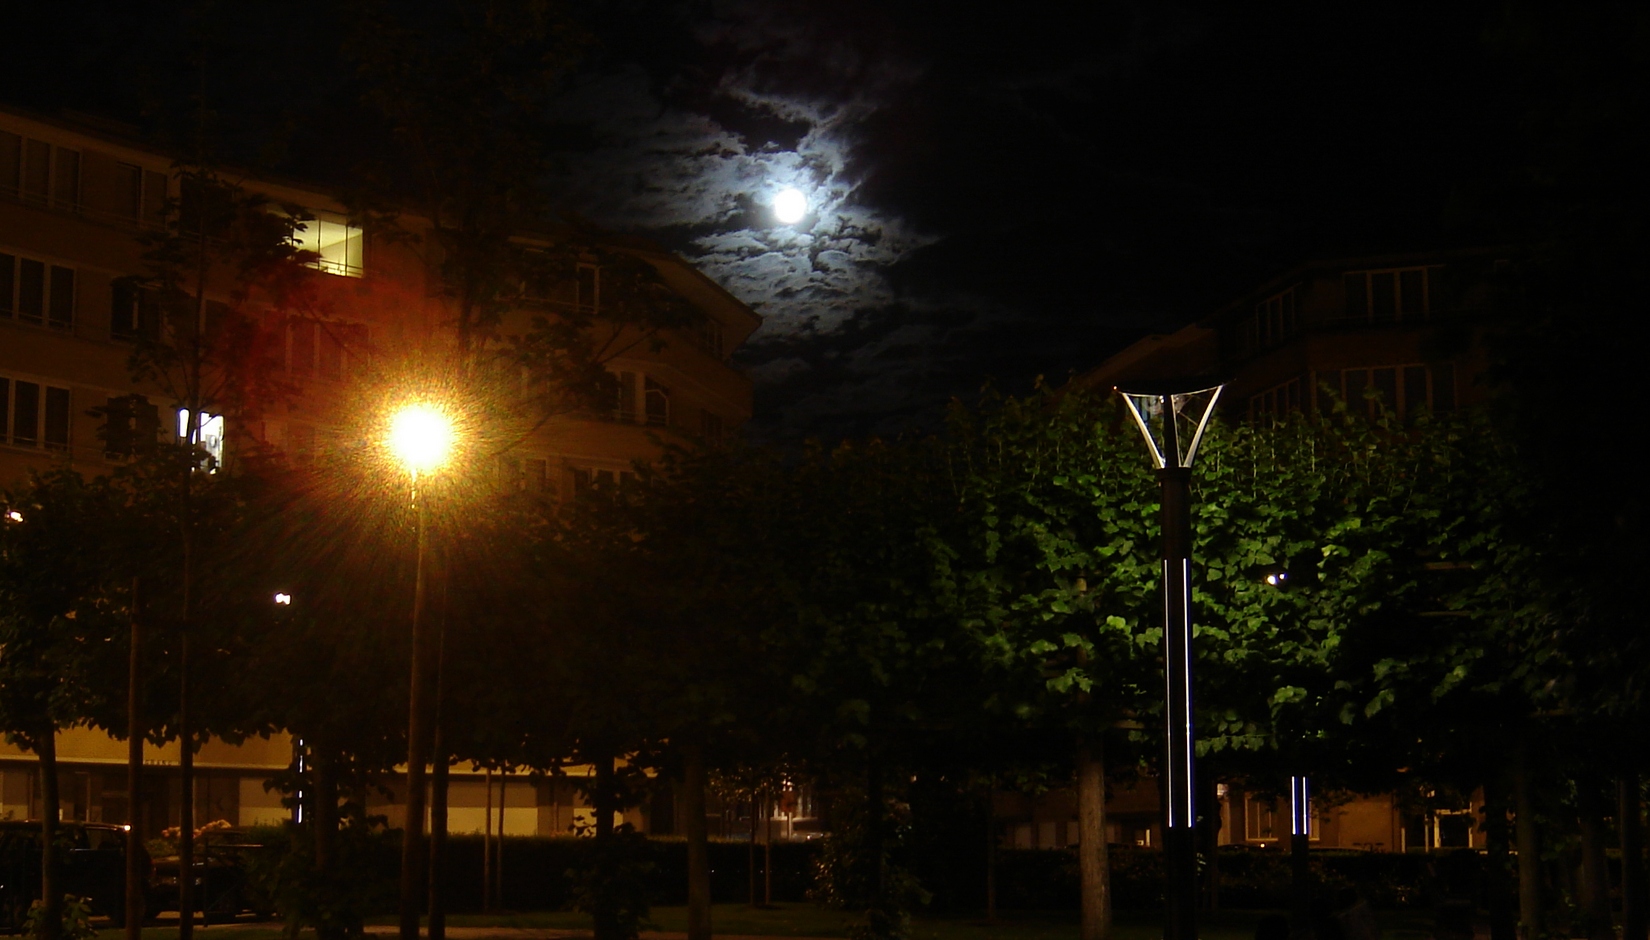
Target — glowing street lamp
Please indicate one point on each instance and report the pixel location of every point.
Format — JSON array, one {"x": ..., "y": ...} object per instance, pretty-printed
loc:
[
  {"x": 790, "y": 206},
  {"x": 421, "y": 436},
  {"x": 1173, "y": 416}
]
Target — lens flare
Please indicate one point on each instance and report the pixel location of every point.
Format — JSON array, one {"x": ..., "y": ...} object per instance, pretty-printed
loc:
[{"x": 421, "y": 437}]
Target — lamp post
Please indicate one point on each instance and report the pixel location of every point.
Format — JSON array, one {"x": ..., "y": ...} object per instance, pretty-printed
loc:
[
  {"x": 421, "y": 438},
  {"x": 1172, "y": 417}
]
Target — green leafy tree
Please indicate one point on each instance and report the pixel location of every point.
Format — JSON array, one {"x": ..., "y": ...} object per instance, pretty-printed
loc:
[{"x": 59, "y": 610}]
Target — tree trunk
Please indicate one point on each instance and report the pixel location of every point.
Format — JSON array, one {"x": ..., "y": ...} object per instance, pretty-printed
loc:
[
  {"x": 1093, "y": 863},
  {"x": 991, "y": 851},
  {"x": 1531, "y": 918},
  {"x": 767, "y": 852},
  {"x": 136, "y": 875},
  {"x": 605, "y": 913},
  {"x": 498, "y": 843},
  {"x": 698, "y": 841},
  {"x": 1634, "y": 892},
  {"x": 438, "y": 835},
  {"x": 1595, "y": 873},
  {"x": 1498, "y": 894},
  {"x": 487, "y": 849},
  {"x": 750, "y": 864},
  {"x": 1208, "y": 831},
  {"x": 323, "y": 821},
  {"x": 186, "y": 808},
  {"x": 51, "y": 893}
]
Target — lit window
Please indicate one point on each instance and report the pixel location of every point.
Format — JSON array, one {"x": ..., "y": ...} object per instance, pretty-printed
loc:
[
  {"x": 339, "y": 244},
  {"x": 1260, "y": 820},
  {"x": 210, "y": 433}
]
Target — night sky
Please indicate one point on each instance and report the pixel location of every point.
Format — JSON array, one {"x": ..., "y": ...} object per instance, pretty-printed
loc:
[{"x": 998, "y": 192}]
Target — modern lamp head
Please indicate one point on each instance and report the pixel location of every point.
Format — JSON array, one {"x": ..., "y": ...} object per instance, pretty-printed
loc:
[
  {"x": 1172, "y": 416},
  {"x": 421, "y": 437}
]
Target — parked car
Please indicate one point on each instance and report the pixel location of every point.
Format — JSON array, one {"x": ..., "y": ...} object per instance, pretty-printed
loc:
[
  {"x": 222, "y": 889},
  {"x": 94, "y": 867}
]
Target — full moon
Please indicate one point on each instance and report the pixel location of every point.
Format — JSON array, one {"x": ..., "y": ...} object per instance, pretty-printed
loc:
[{"x": 790, "y": 206}]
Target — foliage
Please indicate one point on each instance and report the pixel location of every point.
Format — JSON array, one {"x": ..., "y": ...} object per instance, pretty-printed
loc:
[
  {"x": 610, "y": 882},
  {"x": 76, "y": 916},
  {"x": 360, "y": 882},
  {"x": 862, "y": 867}
]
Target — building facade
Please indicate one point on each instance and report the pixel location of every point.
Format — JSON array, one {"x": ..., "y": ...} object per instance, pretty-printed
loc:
[{"x": 78, "y": 197}]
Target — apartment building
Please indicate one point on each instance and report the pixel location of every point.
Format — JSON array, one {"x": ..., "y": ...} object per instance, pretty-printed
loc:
[
  {"x": 1409, "y": 326},
  {"x": 78, "y": 195}
]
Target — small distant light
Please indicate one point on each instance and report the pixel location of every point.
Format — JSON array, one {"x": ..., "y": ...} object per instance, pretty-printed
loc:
[
  {"x": 14, "y": 516},
  {"x": 1272, "y": 579},
  {"x": 790, "y": 206},
  {"x": 283, "y": 599},
  {"x": 125, "y": 828}
]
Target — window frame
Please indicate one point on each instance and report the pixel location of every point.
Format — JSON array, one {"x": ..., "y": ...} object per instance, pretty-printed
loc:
[
  {"x": 54, "y": 313},
  {"x": 1367, "y": 286},
  {"x": 50, "y": 401}
]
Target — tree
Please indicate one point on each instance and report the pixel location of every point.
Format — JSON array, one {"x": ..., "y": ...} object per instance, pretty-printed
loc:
[{"x": 60, "y": 610}]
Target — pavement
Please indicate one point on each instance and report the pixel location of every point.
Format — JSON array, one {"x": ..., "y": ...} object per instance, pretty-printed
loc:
[{"x": 550, "y": 934}]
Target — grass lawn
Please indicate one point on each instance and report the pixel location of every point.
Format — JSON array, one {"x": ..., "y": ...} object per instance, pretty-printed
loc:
[{"x": 808, "y": 920}]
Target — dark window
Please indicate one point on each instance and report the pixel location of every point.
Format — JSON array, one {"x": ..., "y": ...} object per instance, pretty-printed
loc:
[
  {"x": 627, "y": 396},
  {"x": 154, "y": 198},
  {"x": 1383, "y": 296},
  {"x": 1386, "y": 384},
  {"x": 332, "y": 355},
  {"x": 1415, "y": 388},
  {"x": 62, "y": 297},
  {"x": 1443, "y": 387},
  {"x": 1412, "y": 292},
  {"x": 538, "y": 475},
  {"x": 710, "y": 425},
  {"x": 1329, "y": 383},
  {"x": 25, "y": 426},
  {"x": 658, "y": 404},
  {"x": 37, "y": 171},
  {"x": 66, "y": 184},
  {"x": 588, "y": 285},
  {"x": 1357, "y": 295},
  {"x": 31, "y": 290},
  {"x": 1356, "y": 381},
  {"x": 8, "y": 283},
  {"x": 11, "y": 162},
  {"x": 129, "y": 191},
  {"x": 301, "y": 354},
  {"x": 57, "y": 418},
  {"x": 133, "y": 310}
]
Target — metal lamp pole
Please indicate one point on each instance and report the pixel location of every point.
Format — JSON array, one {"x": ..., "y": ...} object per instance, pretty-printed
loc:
[
  {"x": 418, "y": 746},
  {"x": 1161, "y": 409},
  {"x": 421, "y": 438}
]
